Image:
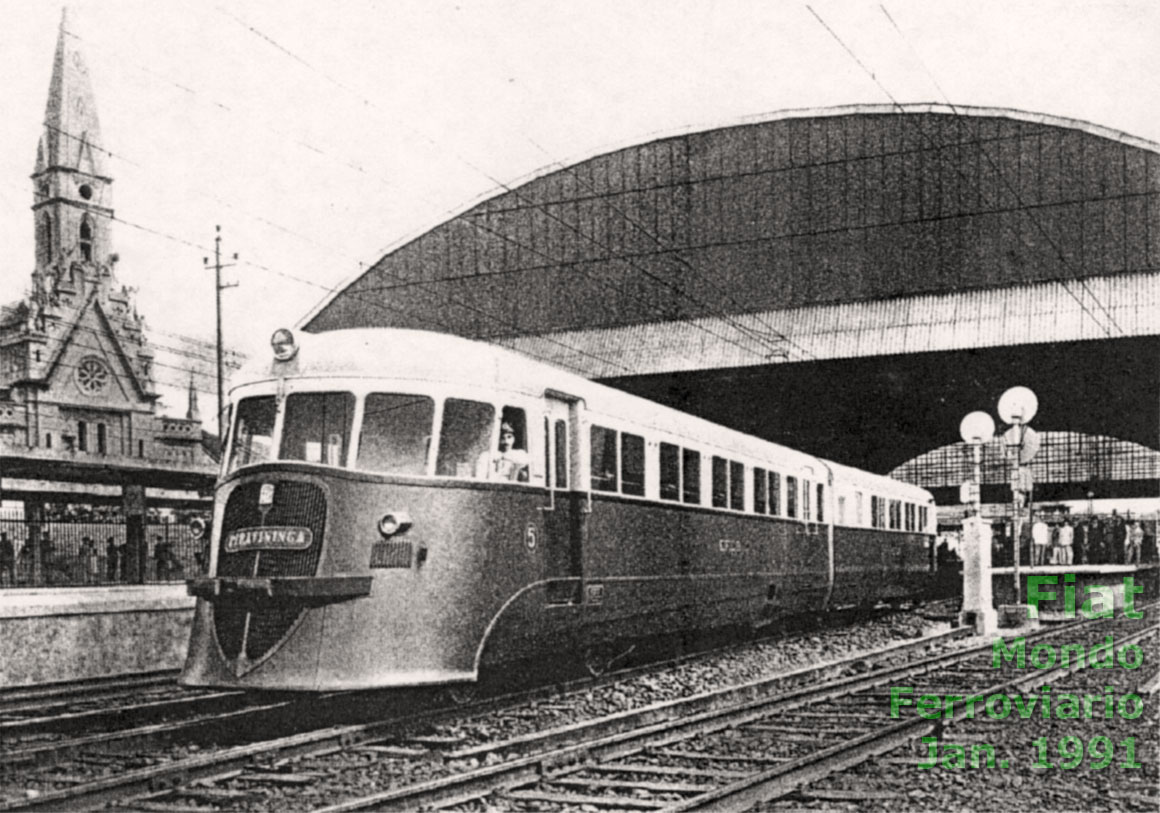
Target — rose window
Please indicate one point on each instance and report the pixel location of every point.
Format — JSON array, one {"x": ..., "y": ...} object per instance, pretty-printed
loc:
[{"x": 92, "y": 376}]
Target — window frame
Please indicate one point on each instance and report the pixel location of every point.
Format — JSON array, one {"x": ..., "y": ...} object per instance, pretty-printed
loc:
[
  {"x": 624, "y": 458},
  {"x": 690, "y": 485}
]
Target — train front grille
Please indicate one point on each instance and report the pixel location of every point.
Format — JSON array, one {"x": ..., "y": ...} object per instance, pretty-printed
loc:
[{"x": 296, "y": 505}]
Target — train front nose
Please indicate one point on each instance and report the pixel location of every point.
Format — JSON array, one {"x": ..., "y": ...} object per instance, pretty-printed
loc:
[{"x": 267, "y": 580}]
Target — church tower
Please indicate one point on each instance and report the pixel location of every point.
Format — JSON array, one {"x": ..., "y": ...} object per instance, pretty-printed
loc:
[
  {"x": 72, "y": 193},
  {"x": 73, "y": 353}
]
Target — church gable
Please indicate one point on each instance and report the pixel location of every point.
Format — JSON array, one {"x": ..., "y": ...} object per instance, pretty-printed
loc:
[{"x": 91, "y": 371}]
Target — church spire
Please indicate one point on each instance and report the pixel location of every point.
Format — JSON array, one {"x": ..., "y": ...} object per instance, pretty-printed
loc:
[
  {"x": 72, "y": 138},
  {"x": 72, "y": 196},
  {"x": 192, "y": 413}
]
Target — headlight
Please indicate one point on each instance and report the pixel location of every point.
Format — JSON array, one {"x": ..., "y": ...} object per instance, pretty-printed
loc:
[
  {"x": 394, "y": 522},
  {"x": 283, "y": 343}
]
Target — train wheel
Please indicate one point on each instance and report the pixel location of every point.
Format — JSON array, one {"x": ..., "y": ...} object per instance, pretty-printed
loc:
[
  {"x": 598, "y": 659},
  {"x": 462, "y": 694}
]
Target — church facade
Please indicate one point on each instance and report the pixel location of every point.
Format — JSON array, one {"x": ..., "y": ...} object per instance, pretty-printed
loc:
[{"x": 77, "y": 393}]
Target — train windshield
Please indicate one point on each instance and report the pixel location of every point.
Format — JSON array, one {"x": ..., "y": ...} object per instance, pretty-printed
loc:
[
  {"x": 396, "y": 433},
  {"x": 317, "y": 427},
  {"x": 253, "y": 440}
]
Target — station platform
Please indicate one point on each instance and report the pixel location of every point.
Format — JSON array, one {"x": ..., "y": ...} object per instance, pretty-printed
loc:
[
  {"x": 50, "y": 635},
  {"x": 1036, "y": 581}
]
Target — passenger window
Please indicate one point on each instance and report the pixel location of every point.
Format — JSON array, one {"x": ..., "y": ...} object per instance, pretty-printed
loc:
[
  {"x": 841, "y": 511},
  {"x": 821, "y": 513},
  {"x": 632, "y": 464},
  {"x": 561, "y": 454},
  {"x": 736, "y": 486},
  {"x": 691, "y": 475},
  {"x": 759, "y": 483},
  {"x": 775, "y": 493},
  {"x": 603, "y": 459},
  {"x": 720, "y": 482},
  {"x": 791, "y": 485},
  {"x": 464, "y": 436},
  {"x": 895, "y": 515},
  {"x": 253, "y": 431},
  {"x": 317, "y": 427},
  {"x": 396, "y": 433},
  {"x": 670, "y": 472},
  {"x": 806, "y": 486}
]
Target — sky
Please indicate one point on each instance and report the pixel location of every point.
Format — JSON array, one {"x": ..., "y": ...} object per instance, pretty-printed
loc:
[{"x": 318, "y": 135}]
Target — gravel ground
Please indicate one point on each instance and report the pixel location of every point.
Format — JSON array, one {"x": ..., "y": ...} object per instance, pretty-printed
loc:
[
  {"x": 362, "y": 773},
  {"x": 1015, "y": 783},
  {"x": 738, "y": 666}
]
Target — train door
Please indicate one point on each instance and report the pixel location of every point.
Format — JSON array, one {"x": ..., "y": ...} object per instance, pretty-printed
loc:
[{"x": 565, "y": 515}]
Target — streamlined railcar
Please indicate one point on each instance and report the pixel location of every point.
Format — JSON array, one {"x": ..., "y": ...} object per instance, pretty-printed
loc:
[{"x": 403, "y": 508}]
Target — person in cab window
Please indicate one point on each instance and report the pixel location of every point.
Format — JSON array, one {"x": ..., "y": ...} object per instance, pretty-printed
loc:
[{"x": 508, "y": 463}]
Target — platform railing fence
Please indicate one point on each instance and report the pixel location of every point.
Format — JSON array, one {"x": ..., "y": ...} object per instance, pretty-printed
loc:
[{"x": 95, "y": 552}]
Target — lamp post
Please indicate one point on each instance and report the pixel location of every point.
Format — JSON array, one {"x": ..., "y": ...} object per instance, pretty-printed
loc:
[
  {"x": 1017, "y": 406},
  {"x": 978, "y": 608},
  {"x": 977, "y": 429}
]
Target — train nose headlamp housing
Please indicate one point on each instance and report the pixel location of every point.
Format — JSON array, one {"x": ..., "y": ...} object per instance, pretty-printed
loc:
[
  {"x": 283, "y": 344},
  {"x": 394, "y": 522}
]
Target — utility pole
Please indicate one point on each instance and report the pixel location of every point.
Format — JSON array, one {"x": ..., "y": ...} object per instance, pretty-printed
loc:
[{"x": 218, "y": 288}]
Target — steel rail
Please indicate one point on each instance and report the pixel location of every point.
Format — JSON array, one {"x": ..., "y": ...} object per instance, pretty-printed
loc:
[
  {"x": 785, "y": 779},
  {"x": 57, "y": 722},
  {"x": 656, "y": 726},
  {"x": 157, "y": 779},
  {"x": 20, "y": 698}
]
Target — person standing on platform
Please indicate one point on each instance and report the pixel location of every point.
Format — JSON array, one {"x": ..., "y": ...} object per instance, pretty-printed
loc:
[
  {"x": 1081, "y": 539},
  {"x": 1135, "y": 542},
  {"x": 1097, "y": 535},
  {"x": 1040, "y": 542},
  {"x": 161, "y": 557},
  {"x": 1116, "y": 541},
  {"x": 7, "y": 560},
  {"x": 112, "y": 559},
  {"x": 1065, "y": 541},
  {"x": 90, "y": 561}
]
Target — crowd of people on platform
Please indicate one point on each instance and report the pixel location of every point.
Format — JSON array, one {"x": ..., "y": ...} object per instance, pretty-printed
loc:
[
  {"x": 1049, "y": 539},
  {"x": 72, "y": 561}
]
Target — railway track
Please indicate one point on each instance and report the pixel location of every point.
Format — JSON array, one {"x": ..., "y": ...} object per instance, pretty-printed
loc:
[
  {"x": 21, "y": 700},
  {"x": 200, "y": 775},
  {"x": 728, "y": 751}
]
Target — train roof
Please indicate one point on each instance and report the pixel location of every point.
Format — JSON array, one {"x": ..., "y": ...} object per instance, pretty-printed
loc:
[{"x": 418, "y": 355}]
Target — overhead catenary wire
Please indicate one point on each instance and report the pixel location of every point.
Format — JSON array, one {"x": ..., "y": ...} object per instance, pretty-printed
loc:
[
  {"x": 1020, "y": 205},
  {"x": 331, "y": 290},
  {"x": 515, "y": 191},
  {"x": 334, "y": 289},
  {"x": 1007, "y": 182}
]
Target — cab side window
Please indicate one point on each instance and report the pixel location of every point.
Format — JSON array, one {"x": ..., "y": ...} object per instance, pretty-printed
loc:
[{"x": 466, "y": 434}]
